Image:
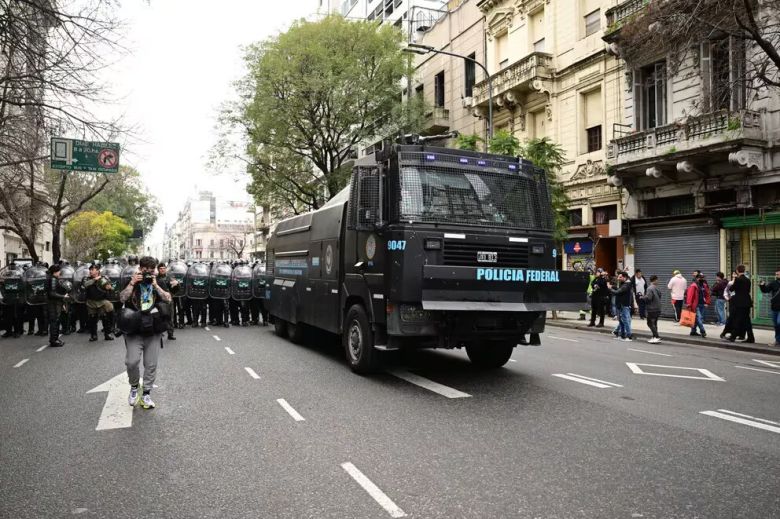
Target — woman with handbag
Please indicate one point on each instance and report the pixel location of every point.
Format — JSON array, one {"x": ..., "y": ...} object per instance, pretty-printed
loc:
[{"x": 143, "y": 321}]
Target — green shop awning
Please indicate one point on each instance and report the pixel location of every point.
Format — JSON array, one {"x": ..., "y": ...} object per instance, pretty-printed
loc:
[{"x": 753, "y": 220}]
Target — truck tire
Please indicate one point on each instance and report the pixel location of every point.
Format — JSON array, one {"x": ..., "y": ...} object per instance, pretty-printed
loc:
[
  {"x": 295, "y": 332},
  {"x": 280, "y": 327},
  {"x": 358, "y": 342},
  {"x": 489, "y": 355}
]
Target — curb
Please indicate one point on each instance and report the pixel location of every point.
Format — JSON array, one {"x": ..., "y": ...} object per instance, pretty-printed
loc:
[{"x": 713, "y": 343}]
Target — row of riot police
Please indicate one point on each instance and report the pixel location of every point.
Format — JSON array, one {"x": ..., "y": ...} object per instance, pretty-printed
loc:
[{"x": 70, "y": 298}]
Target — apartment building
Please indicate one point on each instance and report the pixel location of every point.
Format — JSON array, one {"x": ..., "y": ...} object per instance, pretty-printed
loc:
[
  {"x": 212, "y": 228},
  {"x": 695, "y": 152}
]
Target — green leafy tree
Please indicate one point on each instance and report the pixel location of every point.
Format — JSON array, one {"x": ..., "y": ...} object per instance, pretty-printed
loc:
[
  {"x": 468, "y": 142},
  {"x": 312, "y": 95},
  {"x": 96, "y": 235},
  {"x": 547, "y": 155}
]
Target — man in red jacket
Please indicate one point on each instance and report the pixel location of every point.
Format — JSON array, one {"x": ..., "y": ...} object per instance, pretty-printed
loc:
[{"x": 697, "y": 298}]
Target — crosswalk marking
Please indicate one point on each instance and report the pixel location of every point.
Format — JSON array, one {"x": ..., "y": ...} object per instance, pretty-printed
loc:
[{"x": 744, "y": 419}]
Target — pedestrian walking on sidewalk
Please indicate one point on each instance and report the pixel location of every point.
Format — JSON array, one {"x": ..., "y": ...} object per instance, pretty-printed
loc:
[
  {"x": 773, "y": 289},
  {"x": 652, "y": 301},
  {"x": 678, "y": 284},
  {"x": 741, "y": 303},
  {"x": 697, "y": 298},
  {"x": 639, "y": 287},
  {"x": 720, "y": 301},
  {"x": 143, "y": 322},
  {"x": 599, "y": 296},
  {"x": 623, "y": 305}
]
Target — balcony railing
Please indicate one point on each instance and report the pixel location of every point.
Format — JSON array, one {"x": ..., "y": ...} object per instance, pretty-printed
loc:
[
  {"x": 695, "y": 131},
  {"x": 617, "y": 15},
  {"x": 518, "y": 75},
  {"x": 436, "y": 120}
]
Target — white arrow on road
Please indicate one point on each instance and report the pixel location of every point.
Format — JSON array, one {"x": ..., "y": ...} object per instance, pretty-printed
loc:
[{"x": 116, "y": 412}]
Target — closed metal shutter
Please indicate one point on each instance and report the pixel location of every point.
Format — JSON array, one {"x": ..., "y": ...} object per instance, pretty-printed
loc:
[{"x": 661, "y": 251}]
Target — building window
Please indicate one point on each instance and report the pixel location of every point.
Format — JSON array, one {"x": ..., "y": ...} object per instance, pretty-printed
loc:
[
  {"x": 593, "y": 22},
  {"x": 197, "y": 243},
  {"x": 211, "y": 254},
  {"x": 536, "y": 29},
  {"x": 602, "y": 215},
  {"x": 575, "y": 218},
  {"x": 723, "y": 74},
  {"x": 650, "y": 95},
  {"x": 538, "y": 120},
  {"x": 438, "y": 89},
  {"x": 672, "y": 206},
  {"x": 48, "y": 246},
  {"x": 594, "y": 138},
  {"x": 539, "y": 45},
  {"x": 502, "y": 49},
  {"x": 222, "y": 243},
  {"x": 470, "y": 73},
  {"x": 211, "y": 242}
]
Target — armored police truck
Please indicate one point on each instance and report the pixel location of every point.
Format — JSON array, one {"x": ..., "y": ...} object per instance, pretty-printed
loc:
[{"x": 427, "y": 247}]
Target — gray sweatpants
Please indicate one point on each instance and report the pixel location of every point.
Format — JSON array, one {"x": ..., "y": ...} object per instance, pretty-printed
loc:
[{"x": 148, "y": 346}]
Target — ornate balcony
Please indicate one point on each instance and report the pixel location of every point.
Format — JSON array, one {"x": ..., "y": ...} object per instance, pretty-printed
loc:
[
  {"x": 520, "y": 77},
  {"x": 620, "y": 14},
  {"x": 732, "y": 139},
  {"x": 437, "y": 120}
]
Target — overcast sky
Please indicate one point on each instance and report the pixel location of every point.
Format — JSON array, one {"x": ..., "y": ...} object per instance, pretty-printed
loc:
[{"x": 185, "y": 55}]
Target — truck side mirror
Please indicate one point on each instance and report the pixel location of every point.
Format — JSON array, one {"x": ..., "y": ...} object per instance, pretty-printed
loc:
[{"x": 365, "y": 201}]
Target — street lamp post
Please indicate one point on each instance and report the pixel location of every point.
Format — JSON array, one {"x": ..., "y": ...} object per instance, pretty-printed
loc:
[{"x": 418, "y": 48}]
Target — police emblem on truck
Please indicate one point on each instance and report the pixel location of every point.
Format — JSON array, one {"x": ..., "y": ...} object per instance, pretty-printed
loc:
[{"x": 487, "y": 257}]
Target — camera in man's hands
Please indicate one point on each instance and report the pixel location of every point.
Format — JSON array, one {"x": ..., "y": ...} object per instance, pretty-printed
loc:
[{"x": 148, "y": 277}]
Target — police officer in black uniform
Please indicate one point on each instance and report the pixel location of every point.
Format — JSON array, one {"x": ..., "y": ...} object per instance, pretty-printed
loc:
[
  {"x": 57, "y": 296},
  {"x": 98, "y": 307},
  {"x": 171, "y": 286}
]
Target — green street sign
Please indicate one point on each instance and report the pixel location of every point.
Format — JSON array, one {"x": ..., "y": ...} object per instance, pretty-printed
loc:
[{"x": 91, "y": 156}]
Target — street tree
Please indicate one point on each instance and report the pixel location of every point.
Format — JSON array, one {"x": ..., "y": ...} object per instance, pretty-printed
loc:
[
  {"x": 94, "y": 235},
  {"x": 52, "y": 54},
  {"x": 748, "y": 31},
  {"x": 312, "y": 95}
]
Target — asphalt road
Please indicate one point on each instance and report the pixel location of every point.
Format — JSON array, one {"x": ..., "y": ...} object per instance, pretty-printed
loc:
[{"x": 534, "y": 439}]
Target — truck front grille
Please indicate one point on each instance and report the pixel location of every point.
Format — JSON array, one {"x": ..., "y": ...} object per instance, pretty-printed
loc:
[{"x": 464, "y": 254}]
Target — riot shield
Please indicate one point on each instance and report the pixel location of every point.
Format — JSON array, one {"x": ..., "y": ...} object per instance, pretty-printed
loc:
[
  {"x": 113, "y": 272},
  {"x": 241, "y": 283},
  {"x": 126, "y": 276},
  {"x": 178, "y": 270},
  {"x": 35, "y": 286},
  {"x": 79, "y": 276},
  {"x": 12, "y": 286},
  {"x": 219, "y": 281},
  {"x": 196, "y": 283},
  {"x": 259, "y": 281}
]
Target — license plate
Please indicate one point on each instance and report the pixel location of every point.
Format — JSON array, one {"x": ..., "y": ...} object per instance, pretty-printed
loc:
[{"x": 487, "y": 257}]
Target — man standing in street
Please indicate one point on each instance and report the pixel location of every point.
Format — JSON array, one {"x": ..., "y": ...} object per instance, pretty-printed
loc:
[
  {"x": 639, "y": 287},
  {"x": 598, "y": 299},
  {"x": 773, "y": 289},
  {"x": 143, "y": 338},
  {"x": 96, "y": 288},
  {"x": 652, "y": 301},
  {"x": 677, "y": 285},
  {"x": 57, "y": 296},
  {"x": 171, "y": 286},
  {"x": 718, "y": 292},
  {"x": 741, "y": 302},
  {"x": 623, "y": 306}
]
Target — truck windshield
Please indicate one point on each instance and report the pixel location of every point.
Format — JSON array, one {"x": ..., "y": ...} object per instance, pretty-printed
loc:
[{"x": 444, "y": 195}]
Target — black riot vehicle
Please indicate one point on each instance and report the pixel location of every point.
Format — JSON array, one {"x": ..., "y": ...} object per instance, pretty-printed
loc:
[
  {"x": 35, "y": 285},
  {"x": 178, "y": 270},
  {"x": 219, "y": 281},
  {"x": 427, "y": 247},
  {"x": 196, "y": 283}
]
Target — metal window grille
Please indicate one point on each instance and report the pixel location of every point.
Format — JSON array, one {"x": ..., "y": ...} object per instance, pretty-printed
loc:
[
  {"x": 364, "y": 199},
  {"x": 594, "y": 138},
  {"x": 269, "y": 262},
  {"x": 492, "y": 196}
]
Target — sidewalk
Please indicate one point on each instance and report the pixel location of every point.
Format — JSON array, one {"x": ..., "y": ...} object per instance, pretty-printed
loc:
[{"x": 671, "y": 332}]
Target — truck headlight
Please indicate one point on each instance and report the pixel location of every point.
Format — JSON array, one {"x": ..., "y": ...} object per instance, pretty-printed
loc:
[{"x": 432, "y": 244}]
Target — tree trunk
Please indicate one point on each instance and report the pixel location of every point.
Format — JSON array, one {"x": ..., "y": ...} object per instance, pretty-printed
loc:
[{"x": 55, "y": 241}]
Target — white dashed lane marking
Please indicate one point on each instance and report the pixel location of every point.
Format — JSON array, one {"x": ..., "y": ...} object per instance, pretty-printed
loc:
[
  {"x": 744, "y": 419},
  {"x": 582, "y": 379},
  {"x": 252, "y": 373},
  {"x": 430, "y": 385},
  {"x": 292, "y": 412},
  {"x": 229, "y": 351},
  {"x": 373, "y": 490},
  {"x": 20, "y": 363},
  {"x": 561, "y": 338},
  {"x": 216, "y": 338},
  {"x": 42, "y": 348},
  {"x": 650, "y": 352}
]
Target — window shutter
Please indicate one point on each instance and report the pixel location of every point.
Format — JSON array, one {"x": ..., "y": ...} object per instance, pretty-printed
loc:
[{"x": 705, "y": 67}]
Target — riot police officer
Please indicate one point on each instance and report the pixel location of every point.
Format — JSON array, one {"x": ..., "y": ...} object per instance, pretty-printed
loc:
[
  {"x": 12, "y": 287},
  {"x": 58, "y": 294},
  {"x": 97, "y": 288},
  {"x": 171, "y": 286}
]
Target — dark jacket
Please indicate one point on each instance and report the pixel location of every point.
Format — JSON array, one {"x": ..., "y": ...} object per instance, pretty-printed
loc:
[
  {"x": 741, "y": 290},
  {"x": 652, "y": 299},
  {"x": 97, "y": 289},
  {"x": 773, "y": 289},
  {"x": 622, "y": 295},
  {"x": 719, "y": 288},
  {"x": 55, "y": 293},
  {"x": 600, "y": 290}
]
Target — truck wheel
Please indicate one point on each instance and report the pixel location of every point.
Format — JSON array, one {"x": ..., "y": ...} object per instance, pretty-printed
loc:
[
  {"x": 489, "y": 355},
  {"x": 359, "y": 342},
  {"x": 295, "y": 332},
  {"x": 280, "y": 327}
]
